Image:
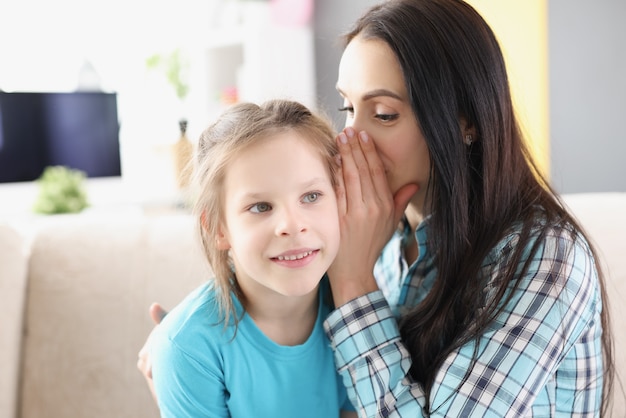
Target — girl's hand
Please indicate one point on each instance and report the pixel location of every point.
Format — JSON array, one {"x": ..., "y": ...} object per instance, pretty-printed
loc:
[{"x": 368, "y": 215}]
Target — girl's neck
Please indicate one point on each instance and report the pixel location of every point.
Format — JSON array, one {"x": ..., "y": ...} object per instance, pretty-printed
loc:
[{"x": 286, "y": 320}]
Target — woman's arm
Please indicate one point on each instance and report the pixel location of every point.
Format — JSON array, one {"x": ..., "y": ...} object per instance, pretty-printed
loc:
[
  {"x": 542, "y": 353},
  {"x": 157, "y": 313}
]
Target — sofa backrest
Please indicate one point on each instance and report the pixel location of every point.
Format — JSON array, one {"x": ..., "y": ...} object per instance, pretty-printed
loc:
[
  {"x": 91, "y": 280},
  {"x": 13, "y": 265},
  {"x": 603, "y": 216}
]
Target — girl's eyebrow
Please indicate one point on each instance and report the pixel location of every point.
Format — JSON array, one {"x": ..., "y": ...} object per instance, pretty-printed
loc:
[
  {"x": 316, "y": 181},
  {"x": 375, "y": 93}
]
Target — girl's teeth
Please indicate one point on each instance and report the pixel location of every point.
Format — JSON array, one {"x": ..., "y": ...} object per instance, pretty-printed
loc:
[{"x": 294, "y": 257}]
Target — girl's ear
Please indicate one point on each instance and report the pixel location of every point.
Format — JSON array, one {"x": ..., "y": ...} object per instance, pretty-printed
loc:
[{"x": 222, "y": 240}]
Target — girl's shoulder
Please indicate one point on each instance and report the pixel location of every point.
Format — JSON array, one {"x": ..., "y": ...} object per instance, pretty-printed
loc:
[{"x": 196, "y": 320}]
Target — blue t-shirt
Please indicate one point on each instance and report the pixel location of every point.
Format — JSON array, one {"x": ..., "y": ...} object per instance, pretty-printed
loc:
[{"x": 201, "y": 369}]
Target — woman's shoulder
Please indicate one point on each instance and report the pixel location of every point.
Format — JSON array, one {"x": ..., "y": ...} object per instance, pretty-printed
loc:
[
  {"x": 554, "y": 256},
  {"x": 538, "y": 233},
  {"x": 543, "y": 249}
]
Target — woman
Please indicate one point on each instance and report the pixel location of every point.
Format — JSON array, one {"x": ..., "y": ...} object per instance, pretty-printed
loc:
[
  {"x": 495, "y": 288},
  {"x": 487, "y": 299}
]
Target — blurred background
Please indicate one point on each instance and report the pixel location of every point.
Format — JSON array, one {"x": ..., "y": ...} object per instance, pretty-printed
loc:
[{"x": 165, "y": 61}]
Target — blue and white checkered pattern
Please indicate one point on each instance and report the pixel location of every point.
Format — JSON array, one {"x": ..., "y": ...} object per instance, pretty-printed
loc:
[{"x": 540, "y": 357}]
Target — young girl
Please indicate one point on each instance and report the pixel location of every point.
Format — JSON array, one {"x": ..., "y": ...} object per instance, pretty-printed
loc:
[{"x": 250, "y": 342}]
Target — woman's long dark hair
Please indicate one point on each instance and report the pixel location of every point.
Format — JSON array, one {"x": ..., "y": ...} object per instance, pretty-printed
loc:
[{"x": 453, "y": 69}]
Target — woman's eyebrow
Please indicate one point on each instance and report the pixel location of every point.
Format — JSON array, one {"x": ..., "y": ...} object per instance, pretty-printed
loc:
[{"x": 375, "y": 93}]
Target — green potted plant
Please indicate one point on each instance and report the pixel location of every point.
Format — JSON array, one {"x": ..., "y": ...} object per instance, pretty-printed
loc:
[
  {"x": 175, "y": 67},
  {"x": 61, "y": 190}
]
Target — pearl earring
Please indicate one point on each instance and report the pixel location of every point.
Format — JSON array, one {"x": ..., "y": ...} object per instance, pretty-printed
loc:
[{"x": 468, "y": 139}]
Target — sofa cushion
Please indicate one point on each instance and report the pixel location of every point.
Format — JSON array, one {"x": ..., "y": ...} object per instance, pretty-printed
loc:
[
  {"x": 13, "y": 268},
  {"x": 92, "y": 279}
]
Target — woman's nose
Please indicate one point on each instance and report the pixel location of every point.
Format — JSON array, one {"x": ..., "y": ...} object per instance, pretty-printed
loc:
[
  {"x": 353, "y": 121},
  {"x": 349, "y": 122}
]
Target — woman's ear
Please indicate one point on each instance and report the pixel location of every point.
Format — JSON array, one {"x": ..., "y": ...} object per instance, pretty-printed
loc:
[{"x": 468, "y": 131}]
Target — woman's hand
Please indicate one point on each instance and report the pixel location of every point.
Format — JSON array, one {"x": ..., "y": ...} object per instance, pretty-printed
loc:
[
  {"x": 368, "y": 215},
  {"x": 157, "y": 313}
]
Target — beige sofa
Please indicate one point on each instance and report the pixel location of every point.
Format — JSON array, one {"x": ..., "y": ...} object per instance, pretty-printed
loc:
[{"x": 74, "y": 293}]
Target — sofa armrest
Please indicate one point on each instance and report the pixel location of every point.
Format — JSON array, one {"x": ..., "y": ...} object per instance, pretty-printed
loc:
[
  {"x": 13, "y": 276},
  {"x": 91, "y": 280},
  {"x": 603, "y": 216}
]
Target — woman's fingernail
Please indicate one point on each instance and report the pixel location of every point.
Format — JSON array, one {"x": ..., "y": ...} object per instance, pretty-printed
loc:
[
  {"x": 350, "y": 132},
  {"x": 338, "y": 160},
  {"x": 363, "y": 136},
  {"x": 343, "y": 138}
]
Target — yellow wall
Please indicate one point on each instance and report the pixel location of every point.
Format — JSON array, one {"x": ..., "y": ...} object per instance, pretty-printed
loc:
[{"x": 522, "y": 30}]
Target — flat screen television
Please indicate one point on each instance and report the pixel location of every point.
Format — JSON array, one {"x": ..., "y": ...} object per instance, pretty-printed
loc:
[{"x": 79, "y": 130}]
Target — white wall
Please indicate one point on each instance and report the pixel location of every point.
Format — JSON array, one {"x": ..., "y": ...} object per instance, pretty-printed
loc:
[
  {"x": 332, "y": 19},
  {"x": 268, "y": 46},
  {"x": 43, "y": 45},
  {"x": 587, "y": 44}
]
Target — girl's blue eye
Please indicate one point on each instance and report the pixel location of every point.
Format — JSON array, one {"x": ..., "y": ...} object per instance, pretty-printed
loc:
[
  {"x": 260, "y": 207},
  {"x": 311, "y": 197}
]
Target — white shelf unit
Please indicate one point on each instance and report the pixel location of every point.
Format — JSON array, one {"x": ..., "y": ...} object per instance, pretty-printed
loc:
[{"x": 261, "y": 59}]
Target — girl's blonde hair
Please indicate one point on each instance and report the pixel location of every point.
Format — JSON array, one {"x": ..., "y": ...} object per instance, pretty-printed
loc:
[{"x": 237, "y": 128}]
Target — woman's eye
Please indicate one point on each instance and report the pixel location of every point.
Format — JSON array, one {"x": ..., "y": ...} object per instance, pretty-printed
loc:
[
  {"x": 311, "y": 197},
  {"x": 348, "y": 109},
  {"x": 387, "y": 117},
  {"x": 260, "y": 207}
]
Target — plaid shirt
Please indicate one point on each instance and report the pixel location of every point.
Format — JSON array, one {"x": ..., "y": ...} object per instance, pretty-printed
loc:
[{"x": 540, "y": 357}]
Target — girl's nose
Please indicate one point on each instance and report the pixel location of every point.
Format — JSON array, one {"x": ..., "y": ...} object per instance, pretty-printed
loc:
[{"x": 290, "y": 222}]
